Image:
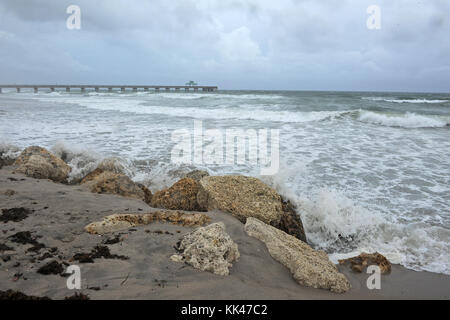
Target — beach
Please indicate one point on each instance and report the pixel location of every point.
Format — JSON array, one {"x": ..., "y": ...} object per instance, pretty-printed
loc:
[
  {"x": 237, "y": 150},
  {"x": 357, "y": 173},
  {"x": 61, "y": 212}
]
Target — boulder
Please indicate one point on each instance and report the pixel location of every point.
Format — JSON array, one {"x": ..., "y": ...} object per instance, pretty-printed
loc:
[
  {"x": 245, "y": 197},
  {"x": 290, "y": 222},
  {"x": 100, "y": 181},
  {"x": 112, "y": 165},
  {"x": 241, "y": 196},
  {"x": 91, "y": 176},
  {"x": 119, "y": 222},
  {"x": 361, "y": 262},
  {"x": 147, "y": 194},
  {"x": 181, "y": 196},
  {"x": 309, "y": 267},
  {"x": 208, "y": 249},
  {"x": 39, "y": 163},
  {"x": 113, "y": 183},
  {"x": 197, "y": 175}
]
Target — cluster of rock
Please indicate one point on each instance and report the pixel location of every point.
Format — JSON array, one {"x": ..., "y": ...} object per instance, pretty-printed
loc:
[
  {"x": 241, "y": 196},
  {"x": 266, "y": 215},
  {"x": 109, "y": 177}
]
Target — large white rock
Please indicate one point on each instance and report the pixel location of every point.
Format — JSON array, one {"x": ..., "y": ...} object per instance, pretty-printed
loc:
[
  {"x": 208, "y": 249},
  {"x": 245, "y": 197},
  {"x": 309, "y": 267}
]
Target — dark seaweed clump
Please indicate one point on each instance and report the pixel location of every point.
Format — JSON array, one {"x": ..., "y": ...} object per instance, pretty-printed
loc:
[
  {"x": 97, "y": 253},
  {"x": 16, "y": 295},
  {"x": 25, "y": 237},
  {"x": 4, "y": 247},
  {"x": 14, "y": 214},
  {"x": 53, "y": 267},
  {"x": 114, "y": 240},
  {"x": 78, "y": 296}
]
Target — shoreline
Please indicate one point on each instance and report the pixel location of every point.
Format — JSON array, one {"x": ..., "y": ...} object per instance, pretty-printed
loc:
[{"x": 60, "y": 212}]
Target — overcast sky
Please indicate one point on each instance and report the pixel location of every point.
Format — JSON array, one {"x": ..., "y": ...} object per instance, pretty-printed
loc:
[{"x": 253, "y": 44}]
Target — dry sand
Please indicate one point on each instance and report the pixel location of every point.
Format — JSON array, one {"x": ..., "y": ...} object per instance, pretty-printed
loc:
[{"x": 61, "y": 212}]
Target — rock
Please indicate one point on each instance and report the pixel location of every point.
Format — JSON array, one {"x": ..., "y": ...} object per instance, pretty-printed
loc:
[
  {"x": 113, "y": 183},
  {"x": 208, "y": 249},
  {"x": 91, "y": 176},
  {"x": 309, "y": 267},
  {"x": 109, "y": 177},
  {"x": 118, "y": 222},
  {"x": 290, "y": 222},
  {"x": 242, "y": 197},
  {"x": 245, "y": 197},
  {"x": 197, "y": 175},
  {"x": 181, "y": 196},
  {"x": 148, "y": 196},
  {"x": 112, "y": 165},
  {"x": 361, "y": 262},
  {"x": 177, "y": 258},
  {"x": 39, "y": 163}
]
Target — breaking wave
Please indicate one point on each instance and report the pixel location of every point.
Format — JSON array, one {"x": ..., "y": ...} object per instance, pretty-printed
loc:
[
  {"x": 343, "y": 228},
  {"x": 435, "y": 101},
  {"x": 407, "y": 120}
]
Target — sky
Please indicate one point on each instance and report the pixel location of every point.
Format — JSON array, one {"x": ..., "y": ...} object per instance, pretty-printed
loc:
[{"x": 248, "y": 45}]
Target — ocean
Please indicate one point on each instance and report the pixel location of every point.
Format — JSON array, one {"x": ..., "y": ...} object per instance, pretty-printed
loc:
[{"x": 367, "y": 171}]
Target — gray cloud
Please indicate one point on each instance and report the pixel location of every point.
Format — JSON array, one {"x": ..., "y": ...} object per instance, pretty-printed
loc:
[{"x": 287, "y": 44}]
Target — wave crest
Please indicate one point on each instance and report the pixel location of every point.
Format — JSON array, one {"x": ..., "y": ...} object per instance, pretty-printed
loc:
[
  {"x": 423, "y": 101},
  {"x": 407, "y": 120}
]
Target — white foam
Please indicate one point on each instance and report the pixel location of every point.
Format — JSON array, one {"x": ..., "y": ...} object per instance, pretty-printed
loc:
[
  {"x": 8, "y": 150},
  {"x": 407, "y": 120},
  {"x": 344, "y": 229},
  {"x": 221, "y": 112},
  {"x": 81, "y": 160},
  {"x": 435, "y": 101},
  {"x": 197, "y": 95}
]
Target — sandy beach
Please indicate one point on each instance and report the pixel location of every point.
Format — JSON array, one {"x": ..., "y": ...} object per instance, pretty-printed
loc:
[{"x": 59, "y": 213}]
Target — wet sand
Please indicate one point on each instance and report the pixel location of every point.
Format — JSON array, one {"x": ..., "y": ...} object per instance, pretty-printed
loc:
[{"x": 59, "y": 213}]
